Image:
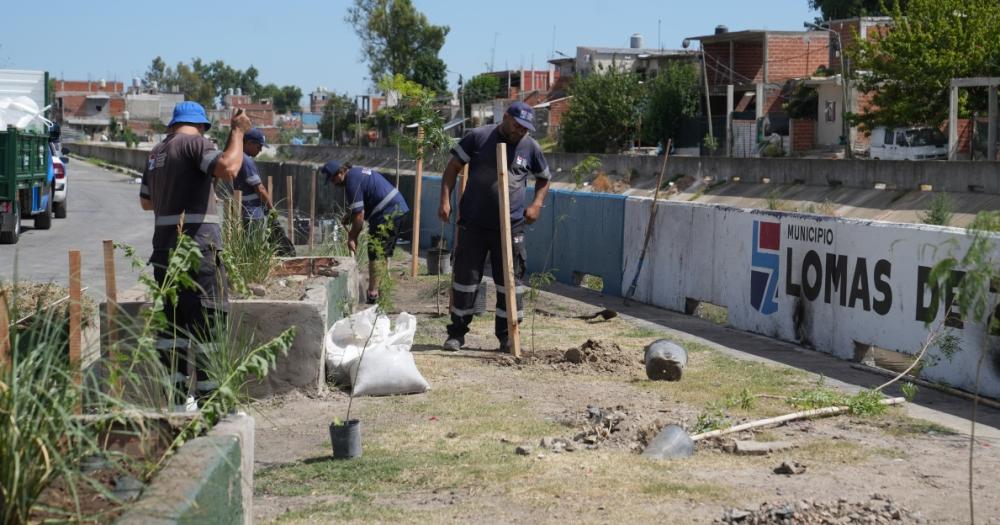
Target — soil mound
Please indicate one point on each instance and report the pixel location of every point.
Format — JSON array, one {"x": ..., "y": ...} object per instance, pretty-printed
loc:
[{"x": 595, "y": 356}]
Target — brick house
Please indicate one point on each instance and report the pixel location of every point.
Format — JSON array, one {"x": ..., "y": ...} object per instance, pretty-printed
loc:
[{"x": 88, "y": 105}]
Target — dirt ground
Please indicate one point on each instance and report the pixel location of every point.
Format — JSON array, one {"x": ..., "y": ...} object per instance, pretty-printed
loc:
[{"x": 544, "y": 439}]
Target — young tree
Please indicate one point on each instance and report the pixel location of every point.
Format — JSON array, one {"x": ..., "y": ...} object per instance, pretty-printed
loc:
[
  {"x": 396, "y": 39},
  {"x": 604, "y": 113},
  {"x": 673, "y": 95},
  {"x": 839, "y": 9},
  {"x": 338, "y": 114},
  {"x": 909, "y": 70}
]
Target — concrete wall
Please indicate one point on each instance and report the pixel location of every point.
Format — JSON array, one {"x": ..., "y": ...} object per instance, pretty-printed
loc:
[
  {"x": 955, "y": 176},
  {"x": 826, "y": 283}
]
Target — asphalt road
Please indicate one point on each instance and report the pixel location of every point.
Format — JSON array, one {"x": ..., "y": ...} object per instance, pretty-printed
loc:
[{"x": 102, "y": 205}]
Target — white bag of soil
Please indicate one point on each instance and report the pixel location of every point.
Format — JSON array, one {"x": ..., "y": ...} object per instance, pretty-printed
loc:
[{"x": 386, "y": 366}]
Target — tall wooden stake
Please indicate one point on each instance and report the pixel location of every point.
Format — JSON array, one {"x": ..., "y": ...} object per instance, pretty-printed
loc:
[
  {"x": 312, "y": 212},
  {"x": 5, "y": 359},
  {"x": 507, "y": 249},
  {"x": 270, "y": 187},
  {"x": 237, "y": 208},
  {"x": 415, "y": 245},
  {"x": 111, "y": 291},
  {"x": 75, "y": 343},
  {"x": 291, "y": 208}
]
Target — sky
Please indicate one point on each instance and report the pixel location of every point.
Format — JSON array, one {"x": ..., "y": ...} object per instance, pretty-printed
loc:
[{"x": 308, "y": 43}]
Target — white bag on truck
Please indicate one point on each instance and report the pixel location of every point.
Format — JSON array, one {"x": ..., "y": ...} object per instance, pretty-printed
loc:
[{"x": 371, "y": 355}]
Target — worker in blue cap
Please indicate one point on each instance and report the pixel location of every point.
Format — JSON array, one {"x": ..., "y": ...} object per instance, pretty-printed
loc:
[
  {"x": 256, "y": 201},
  {"x": 370, "y": 196},
  {"x": 479, "y": 212},
  {"x": 177, "y": 186}
]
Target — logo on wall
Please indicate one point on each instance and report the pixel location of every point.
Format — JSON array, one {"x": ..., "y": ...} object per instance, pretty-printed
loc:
[{"x": 765, "y": 266}]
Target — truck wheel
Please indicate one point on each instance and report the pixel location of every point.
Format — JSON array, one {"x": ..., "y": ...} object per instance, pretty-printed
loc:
[
  {"x": 10, "y": 237},
  {"x": 43, "y": 221},
  {"x": 60, "y": 209}
]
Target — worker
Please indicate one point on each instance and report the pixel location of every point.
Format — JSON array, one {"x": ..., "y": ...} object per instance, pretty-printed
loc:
[
  {"x": 479, "y": 213},
  {"x": 256, "y": 199},
  {"x": 257, "y": 202},
  {"x": 177, "y": 186},
  {"x": 370, "y": 196}
]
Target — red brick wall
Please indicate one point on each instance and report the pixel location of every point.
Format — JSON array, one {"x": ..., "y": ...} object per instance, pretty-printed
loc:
[
  {"x": 117, "y": 107},
  {"x": 803, "y": 134},
  {"x": 93, "y": 86},
  {"x": 796, "y": 56},
  {"x": 747, "y": 60},
  {"x": 964, "y": 135},
  {"x": 556, "y": 111}
]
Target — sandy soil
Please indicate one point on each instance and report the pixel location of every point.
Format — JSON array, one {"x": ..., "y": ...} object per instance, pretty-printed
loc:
[{"x": 450, "y": 455}]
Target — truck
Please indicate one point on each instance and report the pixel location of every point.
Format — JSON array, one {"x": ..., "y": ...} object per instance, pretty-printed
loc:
[{"x": 27, "y": 175}]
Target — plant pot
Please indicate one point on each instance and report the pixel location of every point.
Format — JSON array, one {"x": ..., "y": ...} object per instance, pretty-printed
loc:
[
  {"x": 346, "y": 439},
  {"x": 434, "y": 256}
]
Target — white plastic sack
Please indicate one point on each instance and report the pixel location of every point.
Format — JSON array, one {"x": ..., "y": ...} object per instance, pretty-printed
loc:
[
  {"x": 387, "y": 366},
  {"x": 21, "y": 112}
]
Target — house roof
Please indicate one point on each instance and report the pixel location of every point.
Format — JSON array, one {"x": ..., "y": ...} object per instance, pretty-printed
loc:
[
  {"x": 750, "y": 34},
  {"x": 653, "y": 52}
]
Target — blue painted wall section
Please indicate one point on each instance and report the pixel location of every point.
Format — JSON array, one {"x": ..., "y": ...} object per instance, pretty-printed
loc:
[{"x": 586, "y": 228}]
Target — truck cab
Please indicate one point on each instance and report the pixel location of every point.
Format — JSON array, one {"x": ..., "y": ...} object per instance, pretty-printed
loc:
[{"x": 914, "y": 143}]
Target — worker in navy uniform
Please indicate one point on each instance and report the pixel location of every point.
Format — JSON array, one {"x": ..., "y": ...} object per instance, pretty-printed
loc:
[
  {"x": 480, "y": 215},
  {"x": 256, "y": 199},
  {"x": 177, "y": 186},
  {"x": 257, "y": 202},
  {"x": 370, "y": 196}
]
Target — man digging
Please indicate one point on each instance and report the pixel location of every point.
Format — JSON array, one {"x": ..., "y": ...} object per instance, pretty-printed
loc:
[{"x": 480, "y": 215}]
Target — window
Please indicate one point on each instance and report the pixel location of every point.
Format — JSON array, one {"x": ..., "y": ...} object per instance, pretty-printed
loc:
[
  {"x": 887, "y": 141},
  {"x": 831, "y": 111},
  {"x": 901, "y": 139},
  {"x": 99, "y": 108}
]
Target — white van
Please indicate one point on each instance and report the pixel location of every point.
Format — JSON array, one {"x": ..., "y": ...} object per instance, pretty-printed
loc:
[{"x": 908, "y": 144}]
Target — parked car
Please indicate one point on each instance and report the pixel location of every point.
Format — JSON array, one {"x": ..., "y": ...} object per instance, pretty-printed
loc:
[{"x": 916, "y": 143}]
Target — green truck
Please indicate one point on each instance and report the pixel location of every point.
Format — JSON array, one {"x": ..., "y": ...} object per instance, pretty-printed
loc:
[{"x": 27, "y": 176}]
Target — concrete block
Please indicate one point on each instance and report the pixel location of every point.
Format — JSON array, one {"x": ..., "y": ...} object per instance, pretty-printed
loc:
[
  {"x": 241, "y": 425},
  {"x": 199, "y": 485},
  {"x": 303, "y": 367}
]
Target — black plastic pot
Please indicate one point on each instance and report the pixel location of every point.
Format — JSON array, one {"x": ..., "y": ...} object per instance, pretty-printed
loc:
[{"x": 346, "y": 439}]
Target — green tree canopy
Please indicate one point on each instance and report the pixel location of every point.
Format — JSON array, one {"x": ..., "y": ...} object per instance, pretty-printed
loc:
[
  {"x": 480, "y": 88},
  {"x": 396, "y": 39},
  {"x": 208, "y": 83},
  {"x": 338, "y": 115},
  {"x": 605, "y": 111},
  {"x": 839, "y": 9},
  {"x": 672, "y": 96},
  {"x": 909, "y": 70}
]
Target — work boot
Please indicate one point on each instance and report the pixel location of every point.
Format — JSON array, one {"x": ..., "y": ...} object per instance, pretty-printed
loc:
[
  {"x": 452, "y": 344},
  {"x": 504, "y": 346}
]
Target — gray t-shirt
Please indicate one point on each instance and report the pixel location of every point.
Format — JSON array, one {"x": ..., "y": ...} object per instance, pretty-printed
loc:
[{"x": 178, "y": 180}]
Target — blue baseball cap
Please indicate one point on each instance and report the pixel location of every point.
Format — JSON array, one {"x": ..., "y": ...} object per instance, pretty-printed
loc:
[
  {"x": 255, "y": 135},
  {"x": 523, "y": 114},
  {"x": 189, "y": 112},
  {"x": 330, "y": 169}
]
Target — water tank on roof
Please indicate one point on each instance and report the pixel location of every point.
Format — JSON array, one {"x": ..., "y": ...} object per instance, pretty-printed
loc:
[
  {"x": 103, "y": 83},
  {"x": 721, "y": 29},
  {"x": 636, "y": 41},
  {"x": 135, "y": 82},
  {"x": 230, "y": 91},
  {"x": 239, "y": 91}
]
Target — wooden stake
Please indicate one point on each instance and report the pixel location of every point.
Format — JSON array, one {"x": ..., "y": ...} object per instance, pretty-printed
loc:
[
  {"x": 291, "y": 208},
  {"x": 507, "y": 249},
  {"x": 270, "y": 187},
  {"x": 75, "y": 343},
  {"x": 415, "y": 245},
  {"x": 312, "y": 212},
  {"x": 237, "y": 207},
  {"x": 5, "y": 359}
]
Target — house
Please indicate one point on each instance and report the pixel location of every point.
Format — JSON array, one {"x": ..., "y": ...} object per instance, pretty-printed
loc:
[
  {"x": 89, "y": 105},
  {"x": 319, "y": 99},
  {"x": 514, "y": 83}
]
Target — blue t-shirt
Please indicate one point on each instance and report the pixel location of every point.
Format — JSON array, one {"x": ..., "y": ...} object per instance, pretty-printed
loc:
[
  {"x": 247, "y": 181},
  {"x": 480, "y": 204},
  {"x": 368, "y": 191}
]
